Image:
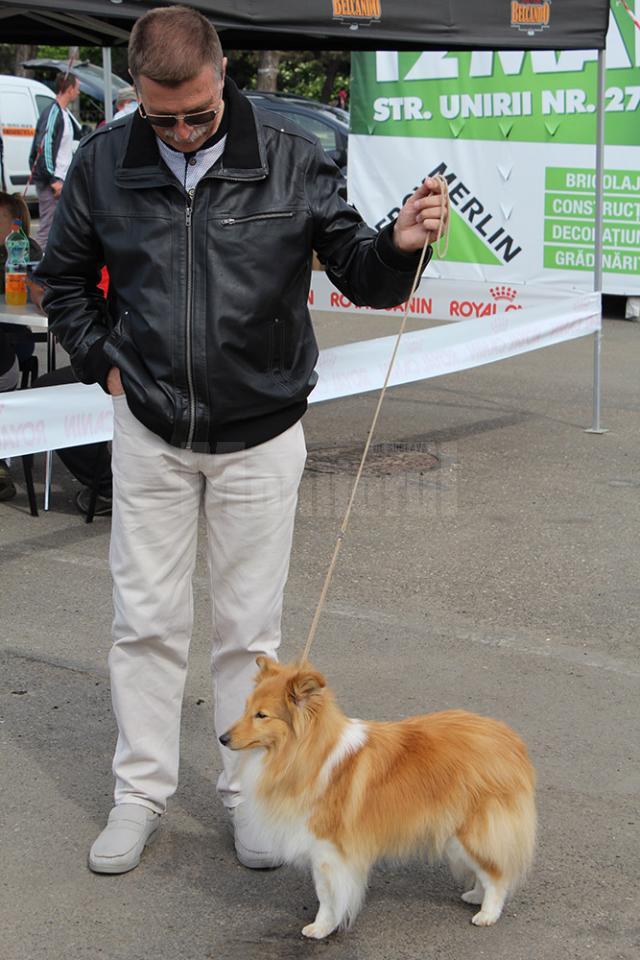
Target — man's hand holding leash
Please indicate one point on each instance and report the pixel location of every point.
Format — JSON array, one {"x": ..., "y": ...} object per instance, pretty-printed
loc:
[{"x": 421, "y": 213}]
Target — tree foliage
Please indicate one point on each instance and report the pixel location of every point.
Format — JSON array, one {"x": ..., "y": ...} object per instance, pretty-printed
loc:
[{"x": 318, "y": 74}]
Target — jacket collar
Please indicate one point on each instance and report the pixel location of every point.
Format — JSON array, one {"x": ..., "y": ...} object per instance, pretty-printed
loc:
[{"x": 244, "y": 156}]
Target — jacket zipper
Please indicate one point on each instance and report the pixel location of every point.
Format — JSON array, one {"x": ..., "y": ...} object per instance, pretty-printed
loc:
[
  {"x": 189, "y": 323},
  {"x": 256, "y": 216}
]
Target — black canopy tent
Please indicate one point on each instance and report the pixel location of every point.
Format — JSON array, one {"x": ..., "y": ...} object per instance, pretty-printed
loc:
[
  {"x": 330, "y": 24},
  {"x": 352, "y": 25}
]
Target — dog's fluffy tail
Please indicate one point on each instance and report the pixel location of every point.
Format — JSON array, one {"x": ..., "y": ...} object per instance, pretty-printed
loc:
[{"x": 502, "y": 837}]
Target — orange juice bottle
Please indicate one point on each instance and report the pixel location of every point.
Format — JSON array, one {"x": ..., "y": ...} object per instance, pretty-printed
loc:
[{"x": 15, "y": 272}]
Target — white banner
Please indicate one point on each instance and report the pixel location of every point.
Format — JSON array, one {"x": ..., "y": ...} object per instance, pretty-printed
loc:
[
  {"x": 441, "y": 298},
  {"x": 50, "y": 418}
]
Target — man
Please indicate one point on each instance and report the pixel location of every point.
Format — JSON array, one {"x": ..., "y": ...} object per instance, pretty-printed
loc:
[
  {"x": 206, "y": 213},
  {"x": 126, "y": 102},
  {"x": 52, "y": 150}
]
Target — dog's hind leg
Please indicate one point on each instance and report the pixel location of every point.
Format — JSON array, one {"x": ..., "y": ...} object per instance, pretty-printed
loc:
[
  {"x": 489, "y": 890},
  {"x": 340, "y": 889},
  {"x": 495, "y": 893}
]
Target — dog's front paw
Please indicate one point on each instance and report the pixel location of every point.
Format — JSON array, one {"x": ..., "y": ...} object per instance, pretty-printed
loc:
[
  {"x": 316, "y": 931},
  {"x": 485, "y": 918}
]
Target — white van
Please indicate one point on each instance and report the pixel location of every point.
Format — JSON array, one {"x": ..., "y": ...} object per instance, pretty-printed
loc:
[{"x": 21, "y": 103}]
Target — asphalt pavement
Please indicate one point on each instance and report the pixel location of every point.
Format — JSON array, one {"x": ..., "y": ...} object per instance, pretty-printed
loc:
[{"x": 491, "y": 564}]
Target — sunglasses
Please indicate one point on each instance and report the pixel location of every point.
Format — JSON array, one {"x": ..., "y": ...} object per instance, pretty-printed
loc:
[{"x": 170, "y": 120}]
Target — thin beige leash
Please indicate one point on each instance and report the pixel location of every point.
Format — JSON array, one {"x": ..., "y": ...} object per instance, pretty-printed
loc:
[{"x": 440, "y": 253}]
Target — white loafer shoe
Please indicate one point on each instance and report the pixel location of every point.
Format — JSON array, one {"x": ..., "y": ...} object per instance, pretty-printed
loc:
[
  {"x": 129, "y": 829},
  {"x": 250, "y": 847}
]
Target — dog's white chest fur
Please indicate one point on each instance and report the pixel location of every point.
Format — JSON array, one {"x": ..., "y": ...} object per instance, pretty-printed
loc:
[{"x": 290, "y": 837}]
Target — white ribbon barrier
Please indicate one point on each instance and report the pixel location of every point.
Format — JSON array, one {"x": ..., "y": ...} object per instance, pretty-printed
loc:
[
  {"x": 359, "y": 367},
  {"x": 49, "y": 418}
]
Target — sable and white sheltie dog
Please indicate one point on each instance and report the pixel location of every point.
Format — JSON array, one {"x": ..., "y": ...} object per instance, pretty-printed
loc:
[{"x": 339, "y": 794}]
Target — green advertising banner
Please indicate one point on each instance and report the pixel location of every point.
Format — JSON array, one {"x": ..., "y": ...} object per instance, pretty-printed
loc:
[
  {"x": 513, "y": 132},
  {"x": 538, "y": 96}
]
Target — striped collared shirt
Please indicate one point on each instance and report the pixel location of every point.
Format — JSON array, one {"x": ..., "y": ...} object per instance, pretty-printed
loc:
[{"x": 190, "y": 168}]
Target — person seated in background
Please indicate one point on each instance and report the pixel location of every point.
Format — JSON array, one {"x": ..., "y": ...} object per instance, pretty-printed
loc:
[
  {"x": 17, "y": 345},
  {"x": 16, "y": 342}
]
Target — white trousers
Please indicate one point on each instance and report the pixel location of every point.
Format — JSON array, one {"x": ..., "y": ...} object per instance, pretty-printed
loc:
[{"x": 249, "y": 501}]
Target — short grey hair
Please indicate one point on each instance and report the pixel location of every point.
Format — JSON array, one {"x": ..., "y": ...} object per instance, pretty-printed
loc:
[
  {"x": 125, "y": 95},
  {"x": 172, "y": 44}
]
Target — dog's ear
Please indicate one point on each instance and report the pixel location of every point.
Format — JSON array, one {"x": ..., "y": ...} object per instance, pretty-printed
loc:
[
  {"x": 303, "y": 685},
  {"x": 266, "y": 665}
]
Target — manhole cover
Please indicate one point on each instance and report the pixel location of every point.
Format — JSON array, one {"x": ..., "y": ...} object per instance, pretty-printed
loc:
[{"x": 383, "y": 460}]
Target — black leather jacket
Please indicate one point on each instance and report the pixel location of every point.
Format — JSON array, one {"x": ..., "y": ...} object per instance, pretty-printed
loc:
[{"x": 207, "y": 318}]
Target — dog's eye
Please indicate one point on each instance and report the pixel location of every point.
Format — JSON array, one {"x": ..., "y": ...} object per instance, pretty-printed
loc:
[{"x": 260, "y": 716}]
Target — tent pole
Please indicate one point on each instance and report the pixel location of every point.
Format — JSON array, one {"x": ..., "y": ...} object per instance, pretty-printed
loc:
[
  {"x": 597, "y": 267},
  {"x": 108, "y": 88}
]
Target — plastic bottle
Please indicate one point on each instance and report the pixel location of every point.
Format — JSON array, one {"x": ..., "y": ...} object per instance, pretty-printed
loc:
[{"x": 15, "y": 273}]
